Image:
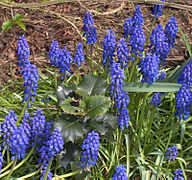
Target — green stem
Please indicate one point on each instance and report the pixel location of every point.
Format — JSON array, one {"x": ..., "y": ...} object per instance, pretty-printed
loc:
[
  {"x": 66, "y": 175},
  {"x": 55, "y": 77},
  {"x": 28, "y": 175},
  {"x": 132, "y": 70},
  {"x": 12, "y": 168},
  {"x": 6, "y": 167},
  {"x": 87, "y": 51},
  {"x": 21, "y": 163},
  {"x": 150, "y": 31},
  {"x": 8, "y": 156},
  {"x": 99, "y": 52},
  {"x": 127, "y": 153},
  {"x": 48, "y": 168},
  {"x": 91, "y": 52},
  {"x": 22, "y": 112}
]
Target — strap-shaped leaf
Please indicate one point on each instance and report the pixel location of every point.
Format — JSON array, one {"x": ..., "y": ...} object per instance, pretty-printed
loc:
[
  {"x": 156, "y": 87},
  {"x": 97, "y": 105},
  {"x": 93, "y": 85}
]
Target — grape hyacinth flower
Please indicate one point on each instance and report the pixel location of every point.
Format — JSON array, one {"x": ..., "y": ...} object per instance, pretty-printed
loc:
[
  {"x": 50, "y": 174},
  {"x": 79, "y": 55},
  {"x": 120, "y": 173},
  {"x": 109, "y": 45},
  {"x": 185, "y": 77},
  {"x": 117, "y": 77},
  {"x": 65, "y": 59},
  {"x": 54, "y": 53},
  {"x": 172, "y": 152},
  {"x": 122, "y": 53},
  {"x": 90, "y": 148},
  {"x": 149, "y": 68},
  {"x": 171, "y": 30},
  {"x": 157, "y": 95},
  {"x": 8, "y": 127},
  {"x": 183, "y": 100},
  {"x": 159, "y": 44},
  {"x": 18, "y": 143},
  {"x": 121, "y": 103},
  {"x": 23, "y": 52},
  {"x": 127, "y": 27},
  {"x": 1, "y": 157},
  {"x": 137, "y": 19},
  {"x": 30, "y": 82},
  {"x": 179, "y": 175},
  {"x": 157, "y": 9},
  {"x": 89, "y": 29},
  {"x": 137, "y": 41}
]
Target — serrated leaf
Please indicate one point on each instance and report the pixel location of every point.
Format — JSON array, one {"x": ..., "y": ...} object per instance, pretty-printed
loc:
[
  {"x": 17, "y": 17},
  {"x": 71, "y": 127},
  {"x": 67, "y": 107},
  {"x": 93, "y": 85},
  {"x": 7, "y": 25},
  {"x": 68, "y": 155},
  {"x": 97, "y": 105},
  {"x": 156, "y": 87}
]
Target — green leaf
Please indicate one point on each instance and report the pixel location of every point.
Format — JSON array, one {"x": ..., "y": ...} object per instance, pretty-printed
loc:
[
  {"x": 97, "y": 105},
  {"x": 67, "y": 107},
  {"x": 7, "y": 25},
  {"x": 21, "y": 24},
  {"x": 68, "y": 155},
  {"x": 93, "y": 85},
  {"x": 156, "y": 87},
  {"x": 71, "y": 127},
  {"x": 17, "y": 17}
]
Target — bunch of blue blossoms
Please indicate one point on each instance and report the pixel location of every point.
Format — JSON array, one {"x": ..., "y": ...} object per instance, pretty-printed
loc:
[
  {"x": 172, "y": 152},
  {"x": 89, "y": 28},
  {"x": 178, "y": 175},
  {"x": 90, "y": 147},
  {"x": 79, "y": 55},
  {"x": 157, "y": 9},
  {"x": 1, "y": 157},
  {"x": 109, "y": 45},
  {"x": 120, "y": 173},
  {"x": 53, "y": 53}
]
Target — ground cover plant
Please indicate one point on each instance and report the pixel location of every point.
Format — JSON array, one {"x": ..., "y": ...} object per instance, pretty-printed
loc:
[{"x": 124, "y": 117}]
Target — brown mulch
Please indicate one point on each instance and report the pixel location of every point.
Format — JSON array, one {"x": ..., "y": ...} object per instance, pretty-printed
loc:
[{"x": 42, "y": 28}]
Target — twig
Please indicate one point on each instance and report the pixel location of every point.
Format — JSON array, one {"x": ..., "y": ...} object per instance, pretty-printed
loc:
[
  {"x": 105, "y": 13},
  {"x": 6, "y": 4}
]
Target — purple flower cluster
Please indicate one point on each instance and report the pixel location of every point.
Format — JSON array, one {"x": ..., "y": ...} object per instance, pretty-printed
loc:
[
  {"x": 122, "y": 53},
  {"x": 65, "y": 59},
  {"x": 23, "y": 52},
  {"x": 1, "y": 157},
  {"x": 157, "y": 9},
  {"x": 171, "y": 30},
  {"x": 90, "y": 148},
  {"x": 183, "y": 100},
  {"x": 172, "y": 152},
  {"x": 31, "y": 82},
  {"x": 117, "y": 77},
  {"x": 159, "y": 44},
  {"x": 185, "y": 78},
  {"x": 28, "y": 70},
  {"x": 50, "y": 174},
  {"x": 109, "y": 45},
  {"x": 89, "y": 28},
  {"x": 120, "y": 173},
  {"x": 53, "y": 53},
  {"x": 133, "y": 28},
  {"x": 178, "y": 175},
  {"x": 79, "y": 55},
  {"x": 150, "y": 68}
]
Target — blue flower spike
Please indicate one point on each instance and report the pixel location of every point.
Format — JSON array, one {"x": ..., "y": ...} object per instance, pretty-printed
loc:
[
  {"x": 157, "y": 9},
  {"x": 79, "y": 55},
  {"x": 120, "y": 173},
  {"x": 172, "y": 152},
  {"x": 178, "y": 175}
]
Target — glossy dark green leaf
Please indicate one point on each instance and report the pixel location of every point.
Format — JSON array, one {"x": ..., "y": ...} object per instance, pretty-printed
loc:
[
  {"x": 97, "y": 105},
  {"x": 7, "y": 25},
  {"x": 17, "y": 17},
  {"x": 68, "y": 155},
  {"x": 71, "y": 127},
  {"x": 68, "y": 107},
  {"x": 93, "y": 85}
]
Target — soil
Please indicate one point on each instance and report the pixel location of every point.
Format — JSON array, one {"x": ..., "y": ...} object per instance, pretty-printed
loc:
[{"x": 42, "y": 28}]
